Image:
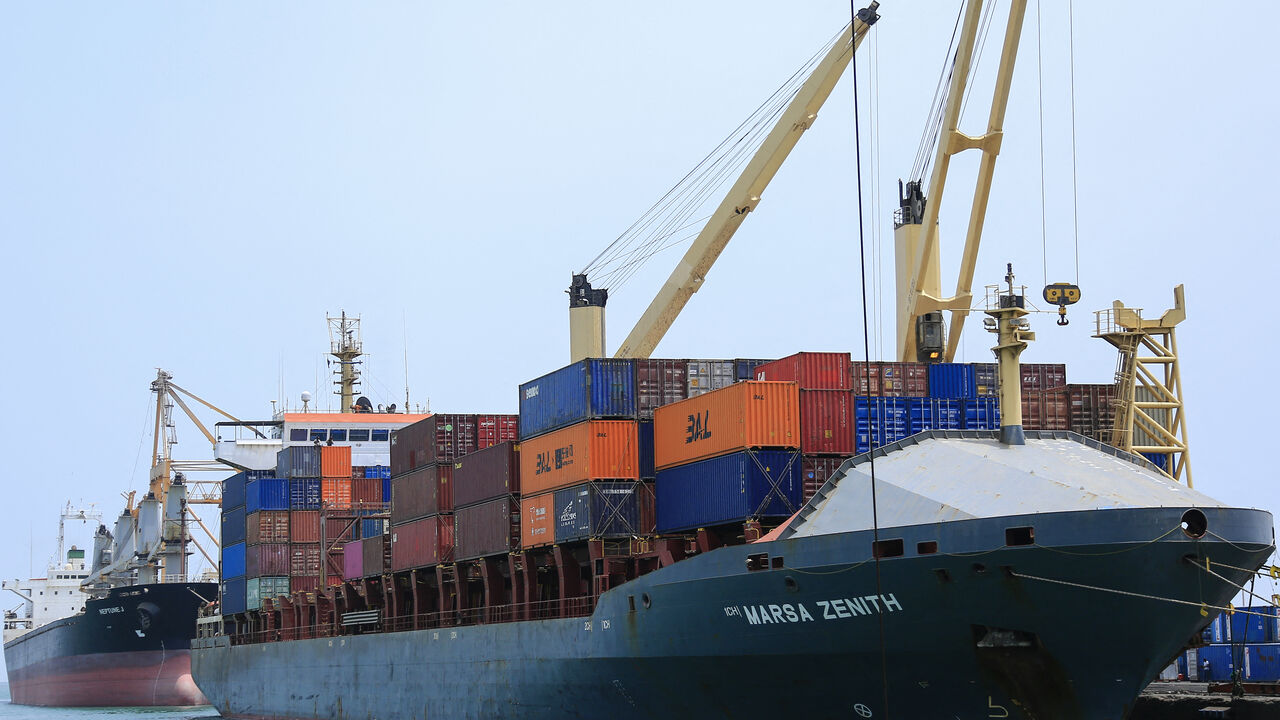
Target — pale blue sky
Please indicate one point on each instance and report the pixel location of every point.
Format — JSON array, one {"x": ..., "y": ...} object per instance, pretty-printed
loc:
[{"x": 193, "y": 186}]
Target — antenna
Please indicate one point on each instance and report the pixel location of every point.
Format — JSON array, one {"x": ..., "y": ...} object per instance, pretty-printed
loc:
[
  {"x": 404, "y": 322},
  {"x": 346, "y": 345}
]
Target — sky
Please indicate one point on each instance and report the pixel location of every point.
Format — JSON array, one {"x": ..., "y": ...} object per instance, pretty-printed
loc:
[{"x": 195, "y": 186}]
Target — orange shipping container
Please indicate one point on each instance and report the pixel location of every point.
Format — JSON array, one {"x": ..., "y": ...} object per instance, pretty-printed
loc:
[
  {"x": 538, "y": 520},
  {"x": 336, "y": 491},
  {"x": 591, "y": 450},
  {"x": 744, "y": 415},
  {"x": 335, "y": 461}
]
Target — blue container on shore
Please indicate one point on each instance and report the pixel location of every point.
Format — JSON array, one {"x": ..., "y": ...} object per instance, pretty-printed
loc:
[
  {"x": 879, "y": 421},
  {"x": 602, "y": 510},
  {"x": 1217, "y": 630},
  {"x": 298, "y": 461},
  {"x": 597, "y": 388},
  {"x": 1221, "y": 663},
  {"x": 267, "y": 494},
  {"x": 952, "y": 380},
  {"x": 1262, "y": 662},
  {"x": 233, "y": 526},
  {"x": 729, "y": 489},
  {"x": 304, "y": 493},
  {"x": 233, "y": 596},
  {"x": 644, "y": 432},
  {"x": 935, "y": 414},
  {"x": 233, "y": 491},
  {"x": 233, "y": 561},
  {"x": 1253, "y": 625},
  {"x": 982, "y": 413}
]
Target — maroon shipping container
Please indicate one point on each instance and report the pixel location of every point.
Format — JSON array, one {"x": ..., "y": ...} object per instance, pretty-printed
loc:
[
  {"x": 425, "y": 491},
  {"x": 1042, "y": 376},
  {"x": 377, "y": 555},
  {"x": 816, "y": 470},
  {"x": 810, "y": 370},
  {"x": 826, "y": 422},
  {"x": 659, "y": 382},
  {"x": 487, "y": 474},
  {"x": 357, "y": 472},
  {"x": 1091, "y": 409},
  {"x": 352, "y": 561},
  {"x": 338, "y": 530},
  {"x": 439, "y": 438},
  {"x": 304, "y": 526},
  {"x": 1045, "y": 410},
  {"x": 267, "y": 526},
  {"x": 304, "y": 560},
  {"x": 646, "y": 507},
  {"x": 366, "y": 490},
  {"x": 490, "y": 528},
  {"x": 304, "y": 584},
  {"x": 267, "y": 560},
  {"x": 495, "y": 429},
  {"x": 422, "y": 543},
  {"x": 890, "y": 379}
]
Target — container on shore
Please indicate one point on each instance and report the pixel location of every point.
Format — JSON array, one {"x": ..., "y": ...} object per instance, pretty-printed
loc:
[
  {"x": 304, "y": 494},
  {"x": 267, "y": 494},
  {"x": 594, "y": 388},
  {"x": 335, "y": 461},
  {"x": 437, "y": 439},
  {"x": 658, "y": 383},
  {"x": 890, "y": 379},
  {"x": 810, "y": 370},
  {"x": 304, "y": 560},
  {"x": 267, "y": 559},
  {"x": 487, "y": 528},
  {"x": 590, "y": 450},
  {"x": 487, "y": 474},
  {"x": 815, "y": 470},
  {"x": 422, "y": 492},
  {"x": 301, "y": 461},
  {"x": 233, "y": 491},
  {"x": 704, "y": 376},
  {"x": 232, "y": 596},
  {"x": 267, "y": 526},
  {"x": 749, "y": 414},
  {"x": 537, "y": 520},
  {"x": 604, "y": 510},
  {"x": 233, "y": 561},
  {"x": 826, "y": 421},
  {"x": 729, "y": 489},
  {"x": 264, "y": 588},
  {"x": 422, "y": 543},
  {"x": 952, "y": 381},
  {"x": 233, "y": 526}
]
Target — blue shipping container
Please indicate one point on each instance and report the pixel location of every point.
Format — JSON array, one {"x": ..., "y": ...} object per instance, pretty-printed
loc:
[
  {"x": 600, "y": 510},
  {"x": 233, "y": 596},
  {"x": 267, "y": 494},
  {"x": 233, "y": 524},
  {"x": 952, "y": 380},
  {"x": 597, "y": 388},
  {"x": 880, "y": 421},
  {"x": 935, "y": 414},
  {"x": 259, "y": 474},
  {"x": 1254, "y": 625},
  {"x": 1262, "y": 662},
  {"x": 233, "y": 561},
  {"x": 233, "y": 491},
  {"x": 729, "y": 488},
  {"x": 1221, "y": 662},
  {"x": 1217, "y": 629},
  {"x": 1160, "y": 460},
  {"x": 377, "y": 471},
  {"x": 1182, "y": 666},
  {"x": 369, "y": 528},
  {"x": 645, "y": 445},
  {"x": 299, "y": 461},
  {"x": 386, "y": 489},
  {"x": 304, "y": 494},
  {"x": 746, "y": 369},
  {"x": 982, "y": 414}
]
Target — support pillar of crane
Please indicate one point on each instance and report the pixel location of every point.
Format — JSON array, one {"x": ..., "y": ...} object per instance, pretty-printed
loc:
[
  {"x": 908, "y": 237},
  {"x": 586, "y": 319},
  {"x": 1006, "y": 320}
]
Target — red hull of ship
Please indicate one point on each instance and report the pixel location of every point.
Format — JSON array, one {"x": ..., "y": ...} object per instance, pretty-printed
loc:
[{"x": 123, "y": 679}]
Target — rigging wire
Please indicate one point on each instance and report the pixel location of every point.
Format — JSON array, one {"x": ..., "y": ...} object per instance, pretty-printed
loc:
[
  {"x": 877, "y": 222},
  {"x": 1044, "y": 240},
  {"x": 866, "y": 351},
  {"x": 1075, "y": 200},
  {"x": 933, "y": 124}
]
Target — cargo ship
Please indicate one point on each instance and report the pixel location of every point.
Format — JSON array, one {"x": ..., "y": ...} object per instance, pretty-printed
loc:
[{"x": 729, "y": 538}]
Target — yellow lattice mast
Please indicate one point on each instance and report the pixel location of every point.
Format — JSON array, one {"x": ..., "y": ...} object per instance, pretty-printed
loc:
[{"x": 1149, "y": 416}]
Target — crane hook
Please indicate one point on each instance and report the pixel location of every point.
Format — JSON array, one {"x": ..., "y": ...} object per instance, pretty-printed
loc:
[{"x": 1062, "y": 315}]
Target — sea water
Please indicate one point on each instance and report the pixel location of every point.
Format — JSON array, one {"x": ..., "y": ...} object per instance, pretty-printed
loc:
[{"x": 9, "y": 711}]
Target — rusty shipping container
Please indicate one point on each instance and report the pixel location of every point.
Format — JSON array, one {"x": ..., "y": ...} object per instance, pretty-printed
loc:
[
  {"x": 267, "y": 559},
  {"x": 367, "y": 491},
  {"x": 304, "y": 584},
  {"x": 890, "y": 379},
  {"x": 591, "y": 450},
  {"x": 267, "y": 526},
  {"x": 377, "y": 555},
  {"x": 339, "y": 530},
  {"x": 487, "y": 474},
  {"x": 335, "y": 461},
  {"x": 1042, "y": 376},
  {"x": 1091, "y": 410},
  {"x": 815, "y": 470},
  {"x": 489, "y": 528},
  {"x": 495, "y": 429},
  {"x": 336, "y": 491},
  {"x": 1045, "y": 410},
  {"x": 422, "y": 543},
  {"x": 826, "y": 422},
  {"x": 750, "y": 414},
  {"x": 304, "y": 526},
  {"x": 439, "y": 438},
  {"x": 810, "y": 370},
  {"x": 304, "y": 560},
  {"x": 537, "y": 520},
  {"x": 660, "y": 382},
  {"x": 422, "y": 492}
]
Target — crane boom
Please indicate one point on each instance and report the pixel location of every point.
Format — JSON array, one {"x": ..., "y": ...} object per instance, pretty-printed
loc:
[{"x": 745, "y": 194}]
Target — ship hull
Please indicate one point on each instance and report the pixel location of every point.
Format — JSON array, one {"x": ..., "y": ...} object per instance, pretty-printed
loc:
[
  {"x": 128, "y": 649},
  {"x": 1062, "y": 628}
]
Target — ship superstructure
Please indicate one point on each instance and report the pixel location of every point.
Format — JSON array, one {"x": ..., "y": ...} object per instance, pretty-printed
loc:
[{"x": 56, "y": 595}]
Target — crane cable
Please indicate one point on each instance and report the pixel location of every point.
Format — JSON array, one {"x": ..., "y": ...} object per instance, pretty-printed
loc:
[
  {"x": 1044, "y": 242},
  {"x": 1075, "y": 198}
]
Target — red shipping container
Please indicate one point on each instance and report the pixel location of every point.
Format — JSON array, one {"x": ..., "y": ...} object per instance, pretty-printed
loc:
[
  {"x": 439, "y": 438},
  {"x": 353, "y": 561},
  {"x": 816, "y": 470},
  {"x": 271, "y": 559},
  {"x": 304, "y": 584},
  {"x": 267, "y": 526},
  {"x": 890, "y": 379},
  {"x": 826, "y": 422},
  {"x": 366, "y": 490},
  {"x": 336, "y": 491},
  {"x": 538, "y": 521},
  {"x": 304, "y": 560},
  {"x": 422, "y": 543},
  {"x": 489, "y": 528},
  {"x": 357, "y": 472},
  {"x": 425, "y": 491},
  {"x": 660, "y": 382},
  {"x": 496, "y": 429},
  {"x": 1042, "y": 376},
  {"x": 1045, "y": 410},
  {"x": 335, "y": 461},
  {"x": 810, "y": 370},
  {"x": 304, "y": 526},
  {"x": 486, "y": 474},
  {"x": 1091, "y": 410},
  {"x": 338, "y": 530}
]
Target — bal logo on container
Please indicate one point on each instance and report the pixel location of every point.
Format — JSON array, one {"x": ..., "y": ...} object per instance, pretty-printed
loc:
[
  {"x": 699, "y": 427},
  {"x": 549, "y": 460}
]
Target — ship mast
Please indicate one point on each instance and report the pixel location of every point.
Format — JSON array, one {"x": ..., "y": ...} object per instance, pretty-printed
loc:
[{"x": 346, "y": 346}]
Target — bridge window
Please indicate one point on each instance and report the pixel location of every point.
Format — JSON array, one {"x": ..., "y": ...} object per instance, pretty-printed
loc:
[
  {"x": 318, "y": 434},
  {"x": 297, "y": 434},
  {"x": 358, "y": 436},
  {"x": 338, "y": 435},
  {"x": 381, "y": 435}
]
